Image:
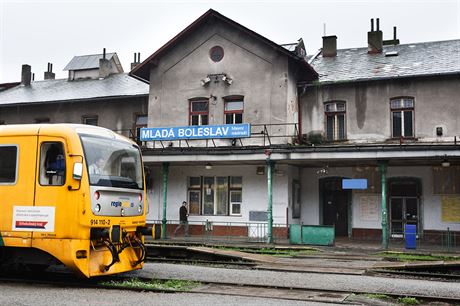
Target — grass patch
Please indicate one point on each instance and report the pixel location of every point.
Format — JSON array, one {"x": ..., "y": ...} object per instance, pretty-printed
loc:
[
  {"x": 274, "y": 251},
  {"x": 400, "y": 256},
  {"x": 408, "y": 300},
  {"x": 378, "y": 296},
  {"x": 171, "y": 284}
]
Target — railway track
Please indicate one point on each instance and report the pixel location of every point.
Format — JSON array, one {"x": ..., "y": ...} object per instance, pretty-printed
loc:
[{"x": 218, "y": 288}]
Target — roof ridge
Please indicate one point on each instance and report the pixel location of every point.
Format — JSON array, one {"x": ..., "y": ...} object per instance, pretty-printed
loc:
[{"x": 407, "y": 44}]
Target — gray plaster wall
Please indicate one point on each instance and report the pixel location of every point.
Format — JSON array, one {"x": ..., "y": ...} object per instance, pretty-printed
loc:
[
  {"x": 116, "y": 114},
  {"x": 368, "y": 116},
  {"x": 259, "y": 73}
]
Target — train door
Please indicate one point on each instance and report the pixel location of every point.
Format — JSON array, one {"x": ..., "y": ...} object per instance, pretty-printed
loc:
[
  {"x": 52, "y": 195},
  {"x": 17, "y": 176}
]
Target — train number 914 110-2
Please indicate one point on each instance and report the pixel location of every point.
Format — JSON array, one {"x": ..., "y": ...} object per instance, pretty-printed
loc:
[{"x": 100, "y": 222}]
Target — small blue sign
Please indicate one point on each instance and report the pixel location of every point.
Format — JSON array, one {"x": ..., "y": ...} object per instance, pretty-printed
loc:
[
  {"x": 354, "y": 184},
  {"x": 196, "y": 132}
]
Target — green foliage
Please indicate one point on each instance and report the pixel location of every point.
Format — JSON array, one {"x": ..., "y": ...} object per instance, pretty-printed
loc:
[
  {"x": 378, "y": 296},
  {"x": 408, "y": 300},
  {"x": 400, "y": 256},
  {"x": 171, "y": 284}
]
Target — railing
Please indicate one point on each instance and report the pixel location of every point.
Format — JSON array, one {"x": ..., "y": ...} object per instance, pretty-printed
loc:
[
  {"x": 225, "y": 232},
  {"x": 261, "y": 135}
]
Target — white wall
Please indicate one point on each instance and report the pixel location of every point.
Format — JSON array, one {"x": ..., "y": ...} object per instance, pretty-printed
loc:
[{"x": 255, "y": 197}]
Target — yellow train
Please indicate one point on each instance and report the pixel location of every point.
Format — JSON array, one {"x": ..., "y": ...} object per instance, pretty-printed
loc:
[{"x": 73, "y": 194}]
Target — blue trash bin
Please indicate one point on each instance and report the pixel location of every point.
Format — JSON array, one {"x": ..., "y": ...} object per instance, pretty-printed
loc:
[{"x": 410, "y": 236}]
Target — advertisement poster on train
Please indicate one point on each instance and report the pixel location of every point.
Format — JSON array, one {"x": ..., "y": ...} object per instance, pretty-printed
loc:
[{"x": 33, "y": 218}]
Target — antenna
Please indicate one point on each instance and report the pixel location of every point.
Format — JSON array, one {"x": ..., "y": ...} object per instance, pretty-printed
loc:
[{"x": 324, "y": 29}]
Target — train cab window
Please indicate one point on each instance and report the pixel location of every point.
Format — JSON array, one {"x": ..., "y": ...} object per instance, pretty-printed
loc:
[
  {"x": 52, "y": 164},
  {"x": 8, "y": 164}
]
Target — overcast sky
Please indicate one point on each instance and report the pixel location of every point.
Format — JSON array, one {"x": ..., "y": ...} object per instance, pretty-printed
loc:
[{"x": 36, "y": 32}]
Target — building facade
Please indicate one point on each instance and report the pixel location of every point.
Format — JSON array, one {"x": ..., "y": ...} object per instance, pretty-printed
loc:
[{"x": 382, "y": 114}]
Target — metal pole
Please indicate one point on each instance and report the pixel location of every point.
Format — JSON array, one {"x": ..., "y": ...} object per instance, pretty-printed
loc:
[
  {"x": 383, "y": 179},
  {"x": 270, "y": 165},
  {"x": 165, "y": 195}
]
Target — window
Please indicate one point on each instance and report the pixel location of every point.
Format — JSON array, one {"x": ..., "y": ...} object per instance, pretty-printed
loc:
[
  {"x": 90, "y": 120},
  {"x": 402, "y": 117},
  {"x": 8, "y": 164},
  {"x": 216, "y": 53},
  {"x": 141, "y": 122},
  {"x": 199, "y": 112},
  {"x": 295, "y": 199},
  {"x": 215, "y": 195},
  {"x": 233, "y": 111},
  {"x": 52, "y": 164},
  {"x": 335, "y": 120}
]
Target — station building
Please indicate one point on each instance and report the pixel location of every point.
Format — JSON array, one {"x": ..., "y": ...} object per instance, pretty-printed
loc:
[{"x": 386, "y": 115}]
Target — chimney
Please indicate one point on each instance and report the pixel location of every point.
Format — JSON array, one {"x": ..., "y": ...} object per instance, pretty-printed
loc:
[
  {"x": 26, "y": 75},
  {"x": 104, "y": 67},
  {"x": 137, "y": 60},
  {"x": 375, "y": 39},
  {"x": 394, "y": 41},
  {"x": 49, "y": 75},
  {"x": 329, "y": 46}
]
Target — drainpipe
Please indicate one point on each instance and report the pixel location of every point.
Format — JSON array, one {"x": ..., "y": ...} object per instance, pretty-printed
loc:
[
  {"x": 270, "y": 166},
  {"x": 383, "y": 178},
  {"x": 165, "y": 194}
]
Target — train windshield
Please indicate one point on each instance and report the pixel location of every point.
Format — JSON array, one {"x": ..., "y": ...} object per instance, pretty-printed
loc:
[{"x": 112, "y": 163}]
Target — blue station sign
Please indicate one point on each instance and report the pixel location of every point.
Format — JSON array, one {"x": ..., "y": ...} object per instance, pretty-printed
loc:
[
  {"x": 196, "y": 132},
  {"x": 354, "y": 184}
]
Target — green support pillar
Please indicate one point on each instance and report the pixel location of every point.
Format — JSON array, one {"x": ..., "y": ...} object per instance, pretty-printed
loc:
[
  {"x": 165, "y": 196},
  {"x": 270, "y": 166},
  {"x": 383, "y": 180}
]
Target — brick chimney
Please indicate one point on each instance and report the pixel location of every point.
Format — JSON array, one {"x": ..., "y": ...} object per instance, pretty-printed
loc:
[
  {"x": 26, "y": 75},
  {"x": 49, "y": 75},
  {"x": 137, "y": 60},
  {"x": 329, "y": 46},
  {"x": 375, "y": 39},
  {"x": 104, "y": 66}
]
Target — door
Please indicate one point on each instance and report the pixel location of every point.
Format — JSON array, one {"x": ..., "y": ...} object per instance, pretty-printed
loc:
[
  {"x": 17, "y": 187},
  {"x": 404, "y": 207},
  {"x": 335, "y": 206},
  {"x": 52, "y": 200}
]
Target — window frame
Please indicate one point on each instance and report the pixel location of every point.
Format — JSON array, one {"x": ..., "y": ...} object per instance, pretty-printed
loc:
[
  {"x": 233, "y": 112},
  {"x": 402, "y": 111},
  {"x": 335, "y": 115},
  {"x": 89, "y": 117},
  {"x": 16, "y": 168},
  {"x": 200, "y": 114},
  {"x": 202, "y": 192},
  {"x": 43, "y": 168}
]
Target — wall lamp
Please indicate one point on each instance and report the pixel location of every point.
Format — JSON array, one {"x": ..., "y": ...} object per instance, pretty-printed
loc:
[
  {"x": 205, "y": 81},
  {"x": 217, "y": 77},
  {"x": 445, "y": 163},
  {"x": 208, "y": 166}
]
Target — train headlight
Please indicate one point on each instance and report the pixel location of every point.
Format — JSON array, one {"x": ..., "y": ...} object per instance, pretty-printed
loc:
[
  {"x": 140, "y": 197},
  {"x": 139, "y": 209},
  {"x": 97, "y": 208},
  {"x": 122, "y": 212}
]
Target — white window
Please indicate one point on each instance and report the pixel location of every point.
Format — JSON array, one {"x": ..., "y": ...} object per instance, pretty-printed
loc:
[
  {"x": 402, "y": 117},
  {"x": 233, "y": 111},
  {"x": 215, "y": 195},
  {"x": 199, "y": 112}
]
